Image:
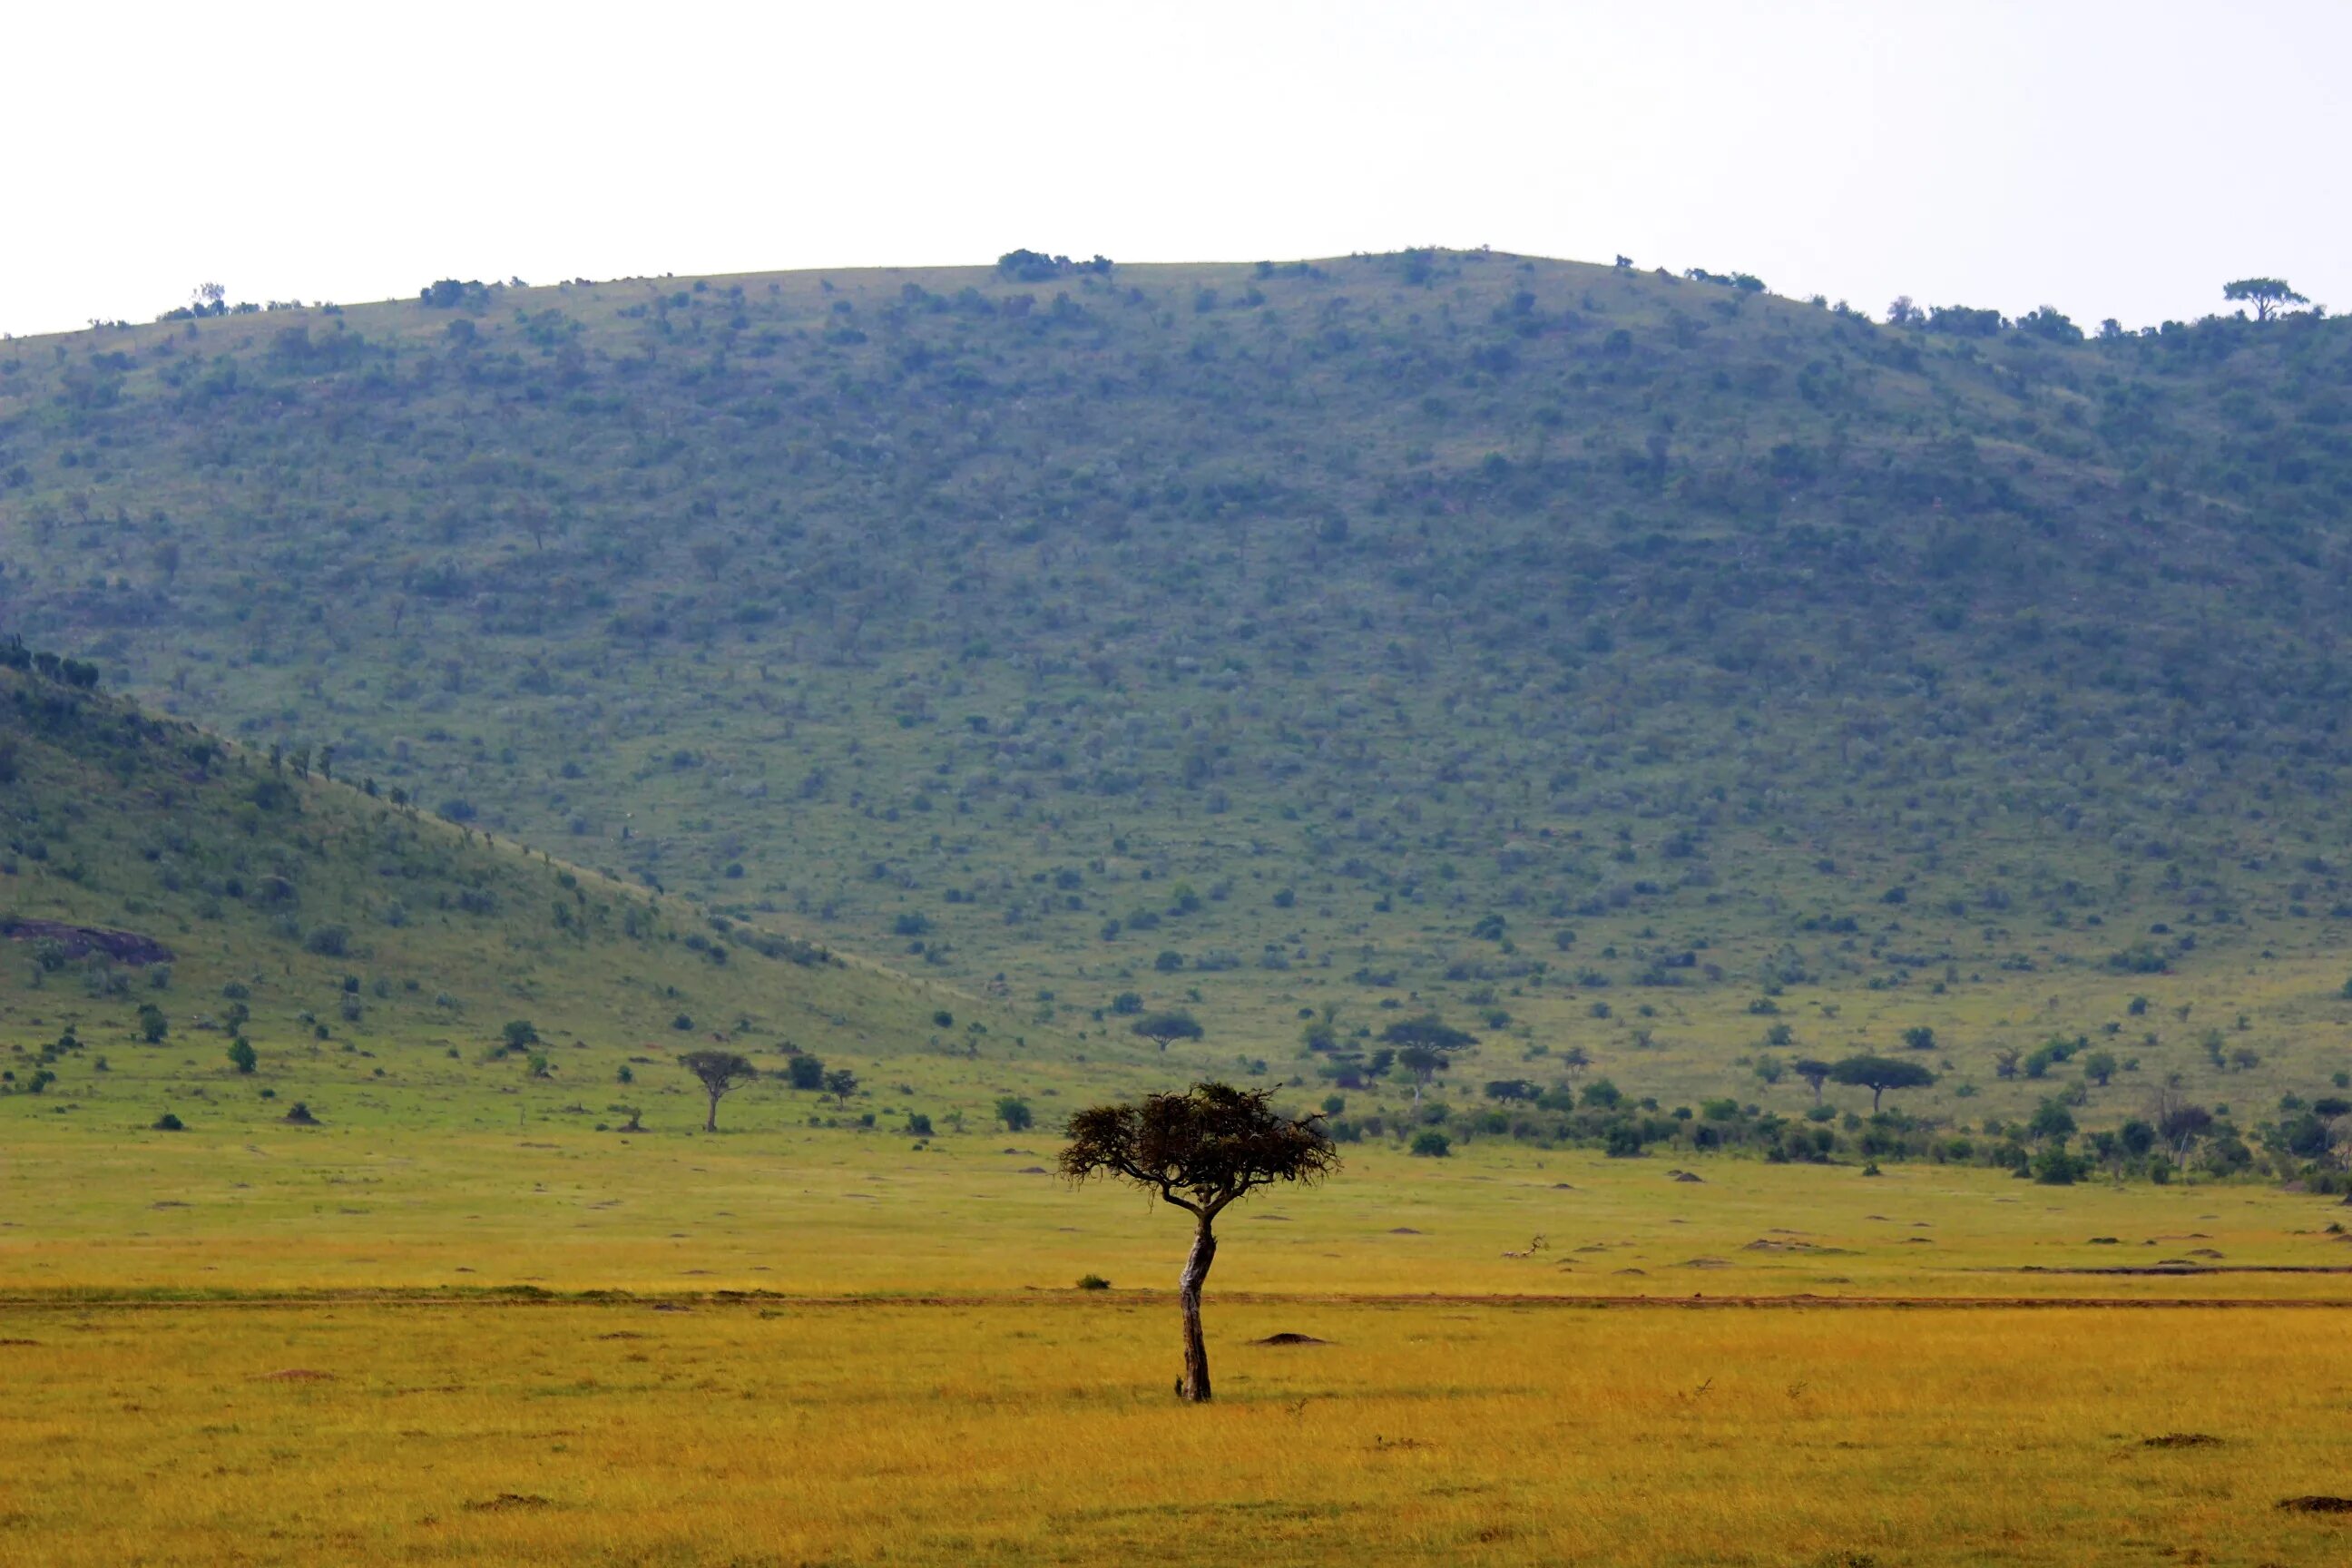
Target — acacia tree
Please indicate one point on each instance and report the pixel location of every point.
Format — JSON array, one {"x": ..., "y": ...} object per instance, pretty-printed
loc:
[
  {"x": 1879, "y": 1074},
  {"x": 1162, "y": 1027},
  {"x": 721, "y": 1073},
  {"x": 2268, "y": 296},
  {"x": 1200, "y": 1151},
  {"x": 1424, "y": 1046},
  {"x": 1814, "y": 1071}
]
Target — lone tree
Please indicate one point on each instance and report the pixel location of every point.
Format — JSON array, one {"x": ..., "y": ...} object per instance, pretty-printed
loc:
[
  {"x": 1879, "y": 1074},
  {"x": 2268, "y": 296},
  {"x": 721, "y": 1072},
  {"x": 1424, "y": 1046},
  {"x": 1814, "y": 1071},
  {"x": 1162, "y": 1027},
  {"x": 1200, "y": 1151}
]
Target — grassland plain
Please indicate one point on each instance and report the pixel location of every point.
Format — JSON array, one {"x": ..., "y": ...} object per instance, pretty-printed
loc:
[
  {"x": 767, "y": 1347},
  {"x": 1027, "y": 1433}
]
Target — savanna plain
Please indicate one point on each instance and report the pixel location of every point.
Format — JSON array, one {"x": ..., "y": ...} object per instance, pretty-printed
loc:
[
  {"x": 676, "y": 1348},
  {"x": 568, "y": 853}
]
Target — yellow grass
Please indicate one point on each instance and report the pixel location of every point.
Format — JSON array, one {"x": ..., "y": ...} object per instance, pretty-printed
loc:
[
  {"x": 831, "y": 1213},
  {"x": 1044, "y": 1432}
]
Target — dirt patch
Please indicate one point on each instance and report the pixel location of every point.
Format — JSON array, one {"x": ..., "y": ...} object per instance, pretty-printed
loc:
[
  {"x": 5, "y": 1342},
  {"x": 1288, "y": 1338},
  {"x": 2317, "y": 1503},
  {"x": 1809, "y": 1248},
  {"x": 1404, "y": 1230},
  {"x": 622, "y": 1335},
  {"x": 296, "y": 1375},
  {"x": 508, "y": 1503},
  {"x": 2181, "y": 1441},
  {"x": 1684, "y": 1177}
]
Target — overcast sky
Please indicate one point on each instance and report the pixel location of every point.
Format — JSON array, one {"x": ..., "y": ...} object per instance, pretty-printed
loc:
[{"x": 2113, "y": 159}]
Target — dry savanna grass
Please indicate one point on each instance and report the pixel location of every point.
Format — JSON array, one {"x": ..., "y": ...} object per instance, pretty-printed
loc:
[
  {"x": 1042, "y": 1432},
  {"x": 287, "y": 1347}
]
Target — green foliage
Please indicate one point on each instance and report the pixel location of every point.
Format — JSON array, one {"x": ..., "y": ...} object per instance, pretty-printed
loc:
[
  {"x": 1165, "y": 1027},
  {"x": 242, "y": 1055}
]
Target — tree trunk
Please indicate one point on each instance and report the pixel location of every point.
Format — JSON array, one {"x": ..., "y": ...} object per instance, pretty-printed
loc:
[
  {"x": 1195, "y": 1386},
  {"x": 710, "y": 1122}
]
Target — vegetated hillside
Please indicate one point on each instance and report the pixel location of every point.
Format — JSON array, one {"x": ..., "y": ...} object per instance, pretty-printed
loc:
[
  {"x": 164, "y": 895},
  {"x": 1614, "y": 661}
]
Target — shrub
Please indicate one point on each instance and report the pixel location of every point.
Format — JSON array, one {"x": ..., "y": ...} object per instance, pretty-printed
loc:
[
  {"x": 242, "y": 1055},
  {"x": 1431, "y": 1145},
  {"x": 167, "y": 1122},
  {"x": 1093, "y": 1282}
]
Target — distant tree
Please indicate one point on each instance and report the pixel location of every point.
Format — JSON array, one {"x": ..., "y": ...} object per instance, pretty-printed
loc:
[
  {"x": 2179, "y": 1122},
  {"x": 2099, "y": 1067},
  {"x": 1161, "y": 1029},
  {"x": 1429, "y": 1144},
  {"x": 721, "y": 1073},
  {"x": 520, "y": 1034},
  {"x": 841, "y": 1083},
  {"x": 1424, "y": 1063},
  {"x": 1511, "y": 1089},
  {"x": 1575, "y": 1059},
  {"x": 2268, "y": 296},
  {"x": 1014, "y": 1112},
  {"x": 153, "y": 1025},
  {"x": 1903, "y": 313},
  {"x": 1919, "y": 1038},
  {"x": 2050, "y": 322},
  {"x": 2051, "y": 1118},
  {"x": 806, "y": 1072},
  {"x": 1200, "y": 1152},
  {"x": 1879, "y": 1074},
  {"x": 2005, "y": 1060},
  {"x": 1815, "y": 1073},
  {"x": 242, "y": 1055},
  {"x": 1428, "y": 1030},
  {"x": 1424, "y": 1046}
]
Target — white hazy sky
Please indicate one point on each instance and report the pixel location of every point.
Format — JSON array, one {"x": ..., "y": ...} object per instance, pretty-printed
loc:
[{"x": 2114, "y": 159}]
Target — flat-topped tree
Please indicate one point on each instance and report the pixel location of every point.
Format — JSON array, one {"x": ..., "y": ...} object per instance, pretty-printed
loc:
[
  {"x": 1424, "y": 1046},
  {"x": 1160, "y": 1028},
  {"x": 1879, "y": 1074},
  {"x": 2268, "y": 296},
  {"x": 1200, "y": 1151},
  {"x": 721, "y": 1072}
]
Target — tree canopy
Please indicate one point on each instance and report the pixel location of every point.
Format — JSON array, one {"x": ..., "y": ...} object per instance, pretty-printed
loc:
[
  {"x": 721, "y": 1073},
  {"x": 1160, "y": 1028},
  {"x": 2268, "y": 296},
  {"x": 1879, "y": 1074}
]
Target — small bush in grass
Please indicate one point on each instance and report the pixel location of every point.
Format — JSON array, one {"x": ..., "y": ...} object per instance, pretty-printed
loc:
[
  {"x": 167, "y": 1122},
  {"x": 1431, "y": 1145},
  {"x": 1093, "y": 1282}
]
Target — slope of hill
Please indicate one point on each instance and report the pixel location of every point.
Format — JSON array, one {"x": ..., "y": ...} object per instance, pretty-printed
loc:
[
  {"x": 166, "y": 895},
  {"x": 1626, "y": 661}
]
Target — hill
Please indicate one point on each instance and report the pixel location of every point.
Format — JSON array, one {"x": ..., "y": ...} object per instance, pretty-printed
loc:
[
  {"x": 168, "y": 895},
  {"x": 1638, "y": 665}
]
